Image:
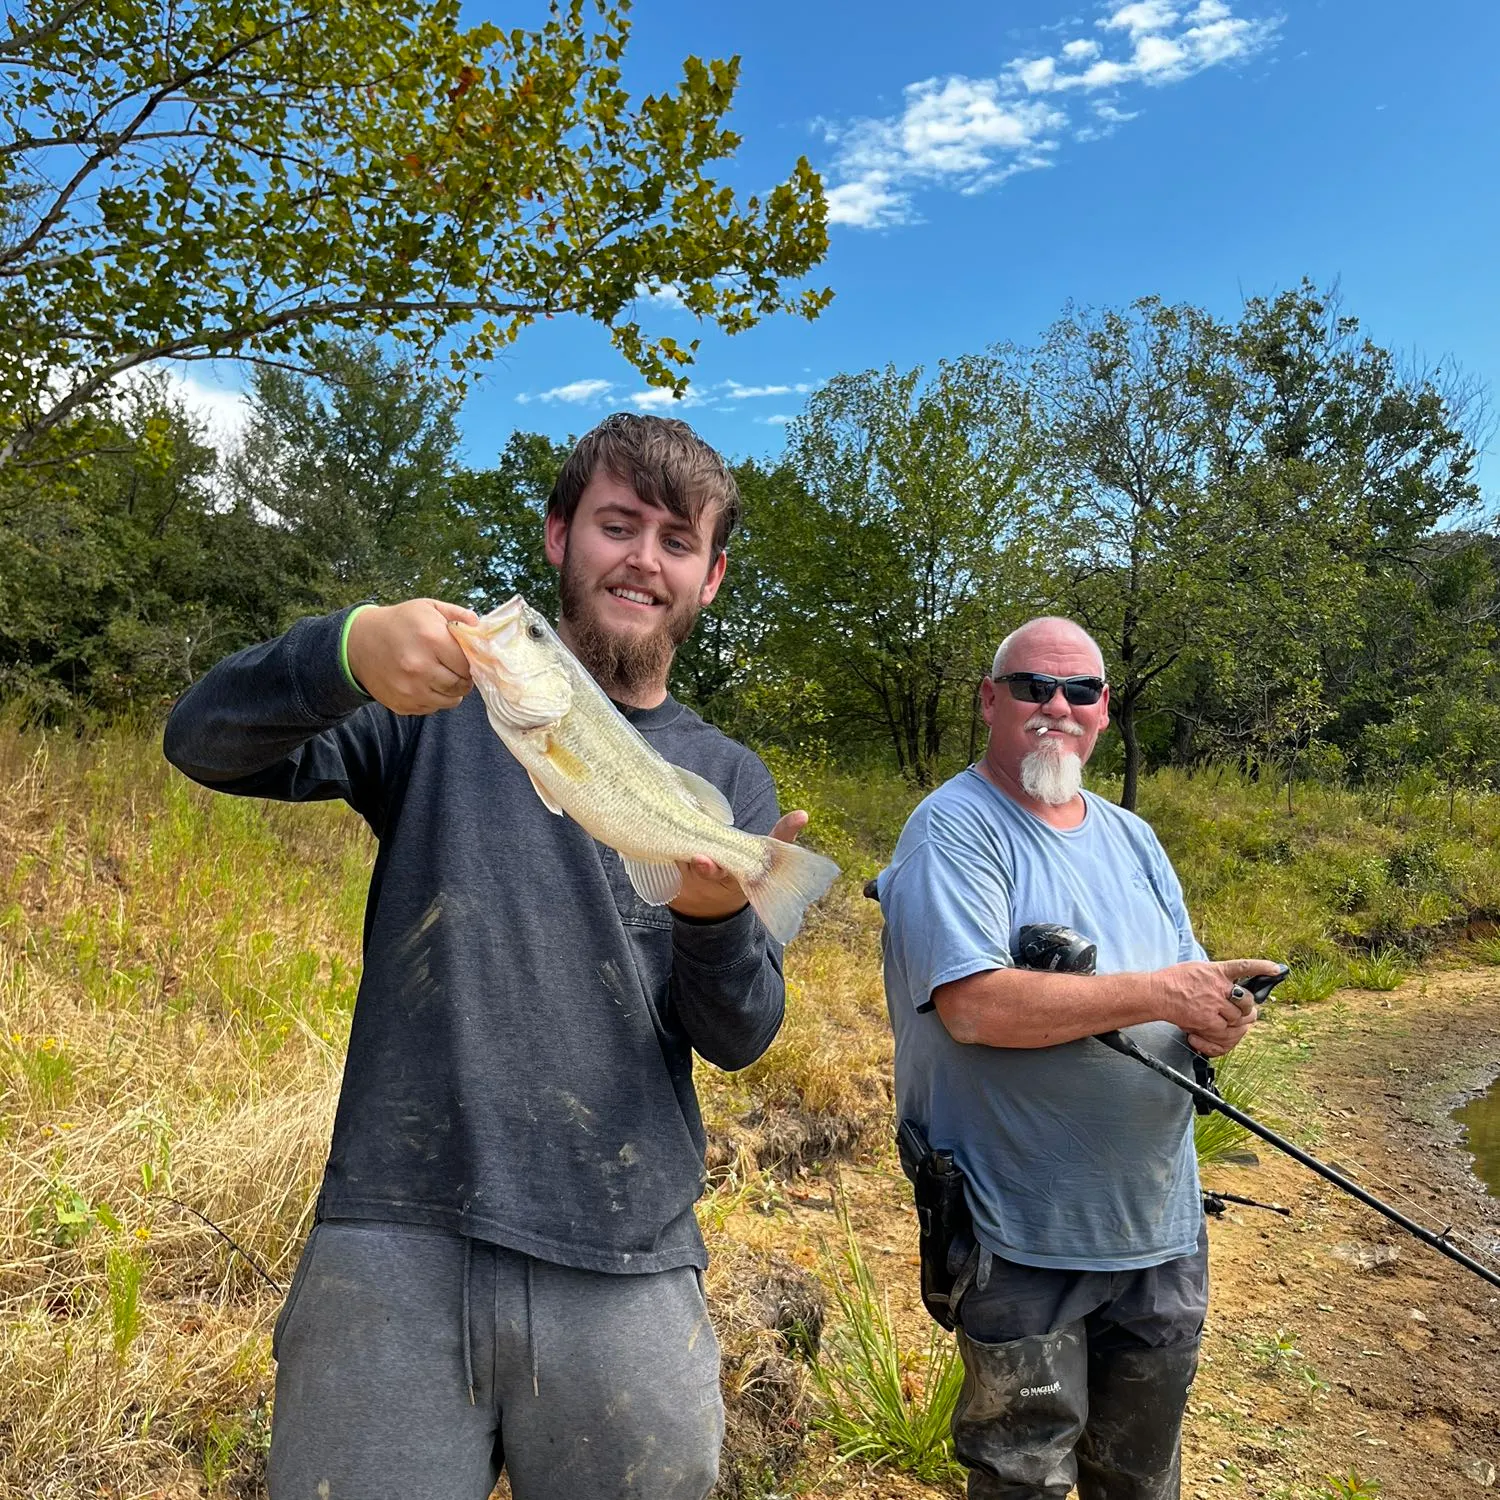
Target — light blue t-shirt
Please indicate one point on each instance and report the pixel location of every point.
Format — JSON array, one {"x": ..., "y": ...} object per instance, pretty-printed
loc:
[{"x": 1075, "y": 1156}]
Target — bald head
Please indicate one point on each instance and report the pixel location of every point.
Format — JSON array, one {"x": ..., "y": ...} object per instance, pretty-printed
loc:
[{"x": 1042, "y": 637}]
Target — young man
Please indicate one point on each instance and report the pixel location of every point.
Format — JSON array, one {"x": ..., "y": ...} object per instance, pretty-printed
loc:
[
  {"x": 1080, "y": 1328},
  {"x": 505, "y": 1267}
]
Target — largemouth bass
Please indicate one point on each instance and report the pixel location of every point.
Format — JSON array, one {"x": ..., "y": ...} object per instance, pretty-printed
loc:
[{"x": 586, "y": 759}]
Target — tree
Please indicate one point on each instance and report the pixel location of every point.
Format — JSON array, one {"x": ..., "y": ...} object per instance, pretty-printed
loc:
[
  {"x": 211, "y": 180},
  {"x": 357, "y": 468},
  {"x": 120, "y": 585},
  {"x": 903, "y": 545},
  {"x": 1225, "y": 492},
  {"x": 1124, "y": 405},
  {"x": 501, "y": 512}
]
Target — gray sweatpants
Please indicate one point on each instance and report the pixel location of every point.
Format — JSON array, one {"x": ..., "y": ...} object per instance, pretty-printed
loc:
[{"x": 413, "y": 1363}]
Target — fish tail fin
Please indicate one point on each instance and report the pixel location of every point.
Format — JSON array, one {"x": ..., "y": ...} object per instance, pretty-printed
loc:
[{"x": 790, "y": 881}]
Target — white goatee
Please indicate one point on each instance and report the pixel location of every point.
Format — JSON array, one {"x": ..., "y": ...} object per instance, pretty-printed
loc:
[{"x": 1052, "y": 776}]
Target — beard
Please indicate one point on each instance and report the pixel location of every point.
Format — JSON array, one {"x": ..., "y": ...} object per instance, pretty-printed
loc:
[
  {"x": 1053, "y": 776},
  {"x": 627, "y": 662}
]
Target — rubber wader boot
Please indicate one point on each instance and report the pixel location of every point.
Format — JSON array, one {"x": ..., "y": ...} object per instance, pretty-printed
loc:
[
  {"x": 1021, "y": 1413},
  {"x": 1131, "y": 1448}
]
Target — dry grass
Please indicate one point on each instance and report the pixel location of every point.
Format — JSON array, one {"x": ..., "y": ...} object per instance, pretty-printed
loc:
[{"x": 177, "y": 972}]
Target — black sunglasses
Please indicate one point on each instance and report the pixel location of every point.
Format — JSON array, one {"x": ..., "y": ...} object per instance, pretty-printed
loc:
[{"x": 1038, "y": 687}]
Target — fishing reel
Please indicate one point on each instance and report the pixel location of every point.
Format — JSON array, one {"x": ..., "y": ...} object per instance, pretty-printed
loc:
[{"x": 1060, "y": 950}]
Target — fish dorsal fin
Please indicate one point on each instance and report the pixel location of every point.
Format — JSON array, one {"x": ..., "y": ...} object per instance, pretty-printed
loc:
[
  {"x": 706, "y": 795},
  {"x": 655, "y": 884},
  {"x": 548, "y": 801}
]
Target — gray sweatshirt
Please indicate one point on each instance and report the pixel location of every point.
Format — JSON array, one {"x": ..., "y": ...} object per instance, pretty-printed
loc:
[{"x": 520, "y": 1065}]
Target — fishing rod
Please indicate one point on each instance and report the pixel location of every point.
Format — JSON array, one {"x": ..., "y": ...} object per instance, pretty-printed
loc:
[{"x": 1047, "y": 946}]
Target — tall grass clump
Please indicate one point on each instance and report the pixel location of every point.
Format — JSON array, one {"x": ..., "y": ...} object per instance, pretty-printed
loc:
[
  {"x": 1247, "y": 1079},
  {"x": 881, "y": 1404}
]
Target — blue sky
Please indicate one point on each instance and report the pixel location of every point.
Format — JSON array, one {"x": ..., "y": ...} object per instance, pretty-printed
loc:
[{"x": 990, "y": 162}]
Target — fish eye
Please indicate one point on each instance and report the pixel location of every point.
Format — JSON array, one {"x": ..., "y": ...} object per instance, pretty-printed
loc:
[{"x": 534, "y": 631}]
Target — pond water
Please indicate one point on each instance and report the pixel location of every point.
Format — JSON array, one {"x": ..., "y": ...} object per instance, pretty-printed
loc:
[{"x": 1480, "y": 1119}]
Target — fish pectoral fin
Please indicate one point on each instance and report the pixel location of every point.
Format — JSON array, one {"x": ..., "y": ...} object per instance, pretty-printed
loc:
[
  {"x": 655, "y": 884},
  {"x": 707, "y": 796},
  {"x": 548, "y": 800},
  {"x": 565, "y": 761}
]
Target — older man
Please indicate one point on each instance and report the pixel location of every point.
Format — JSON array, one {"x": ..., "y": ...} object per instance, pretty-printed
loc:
[{"x": 1088, "y": 1286}]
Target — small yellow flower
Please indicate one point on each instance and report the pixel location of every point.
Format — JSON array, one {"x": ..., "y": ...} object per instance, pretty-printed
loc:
[
  {"x": 67, "y": 1125},
  {"x": 17, "y": 1038},
  {"x": 143, "y": 1233},
  {"x": 48, "y": 1043}
]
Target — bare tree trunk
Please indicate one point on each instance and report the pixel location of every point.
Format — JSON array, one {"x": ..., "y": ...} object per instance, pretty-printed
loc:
[{"x": 1132, "y": 754}]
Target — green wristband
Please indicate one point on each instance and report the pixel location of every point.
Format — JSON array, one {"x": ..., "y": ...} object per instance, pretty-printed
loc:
[{"x": 344, "y": 648}]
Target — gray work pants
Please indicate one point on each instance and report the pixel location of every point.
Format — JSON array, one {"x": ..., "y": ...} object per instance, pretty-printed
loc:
[
  {"x": 1078, "y": 1377},
  {"x": 413, "y": 1363}
]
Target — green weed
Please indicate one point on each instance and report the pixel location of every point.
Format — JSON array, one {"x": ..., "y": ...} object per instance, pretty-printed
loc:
[
  {"x": 1310, "y": 981},
  {"x": 123, "y": 1269},
  {"x": 219, "y": 1446},
  {"x": 1349, "y": 1486},
  {"x": 880, "y": 1405},
  {"x": 1245, "y": 1078},
  {"x": 1486, "y": 950},
  {"x": 1384, "y": 969}
]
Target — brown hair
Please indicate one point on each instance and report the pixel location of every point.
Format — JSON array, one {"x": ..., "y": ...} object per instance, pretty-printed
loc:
[{"x": 663, "y": 460}]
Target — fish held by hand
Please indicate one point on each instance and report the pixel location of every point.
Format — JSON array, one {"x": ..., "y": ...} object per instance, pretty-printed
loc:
[{"x": 586, "y": 759}]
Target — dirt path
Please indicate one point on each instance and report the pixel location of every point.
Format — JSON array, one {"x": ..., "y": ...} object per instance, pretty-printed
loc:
[{"x": 1333, "y": 1345}]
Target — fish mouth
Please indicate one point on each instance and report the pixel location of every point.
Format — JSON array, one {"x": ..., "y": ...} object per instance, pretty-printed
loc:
[{"x": 488, "y": 640}]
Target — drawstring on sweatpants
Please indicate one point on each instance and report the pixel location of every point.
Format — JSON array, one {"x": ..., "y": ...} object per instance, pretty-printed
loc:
[
  {"x": 468, "y": 1338},
  {"x": 531, "y": 1331}
]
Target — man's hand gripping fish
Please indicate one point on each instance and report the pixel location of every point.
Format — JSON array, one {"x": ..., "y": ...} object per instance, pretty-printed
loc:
[{"x": 586, "y": 759}]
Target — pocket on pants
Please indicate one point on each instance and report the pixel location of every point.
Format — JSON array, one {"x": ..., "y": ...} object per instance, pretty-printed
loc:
[
  {"x": 1023, "y": 1407},
  {"x": 294, "y": 1292}
]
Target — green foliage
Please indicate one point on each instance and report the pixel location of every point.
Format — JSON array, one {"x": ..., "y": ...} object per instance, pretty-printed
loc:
[
  {"x": 896, "y": 544},
  {"x": 879, "y": 1404},
  {"x": 500, "y": 513},
  {"x": 1350, "y": 1486},
  {"x": 1246, "y": 1078},
  {"x": 123, "y": 1271},
  {"x": 1381, "y": 970},
  {"x": 217, "y": 181},
  {"x": 356, "y": 467},
  {"x": 1230, "y": 493},
  {"x": 65, "y": 1218},
  {"x": 1312, "y": 980}
]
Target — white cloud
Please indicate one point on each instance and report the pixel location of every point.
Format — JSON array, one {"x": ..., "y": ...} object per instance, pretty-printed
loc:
[
  {"x": 224, "y": 413},
  {"x": 866, "y": 203},
  {"x": 665, "y": 295},
  {"x": 575, "y": 393},
  {"x": 1142, "y": 15},
  {"x": 777, "y": 419},
  {"x": 738, "y": 392},
  {"x": 963, "y": 131},
  {"x": 970, "y": 134},
  {"x": 658, "y": 399}
]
